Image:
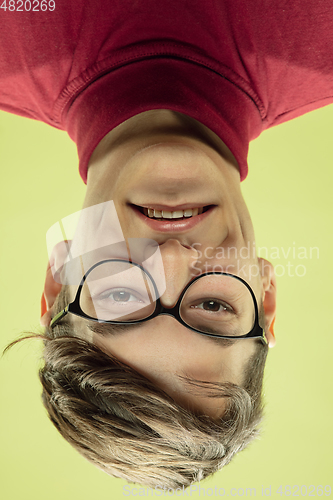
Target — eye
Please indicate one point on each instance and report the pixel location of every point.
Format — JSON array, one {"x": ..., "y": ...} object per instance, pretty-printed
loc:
[
  {"x": 214, "y": 306},
  {"x": 117, "y": 296},
  {"x": 122, "y": 296}
]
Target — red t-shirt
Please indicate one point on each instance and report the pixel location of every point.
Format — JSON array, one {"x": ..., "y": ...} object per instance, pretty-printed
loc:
[{"x": 237, "y": 66}]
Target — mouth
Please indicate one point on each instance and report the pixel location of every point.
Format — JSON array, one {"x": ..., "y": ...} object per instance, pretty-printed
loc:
[
  {"x": 170, "y": 214},
  {"x": 171, "y": 219}
]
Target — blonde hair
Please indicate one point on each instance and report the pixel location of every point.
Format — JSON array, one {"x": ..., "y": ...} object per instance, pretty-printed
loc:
[{"x": 126, "y": 426}]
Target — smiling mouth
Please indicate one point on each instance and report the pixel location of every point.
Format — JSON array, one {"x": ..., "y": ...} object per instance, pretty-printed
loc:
[{"x": 172, "y": 215}]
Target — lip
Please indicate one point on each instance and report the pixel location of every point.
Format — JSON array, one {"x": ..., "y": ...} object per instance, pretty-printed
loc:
[
  {"x": 173, "y": 208},
  {"x": 173, "y": 226}
]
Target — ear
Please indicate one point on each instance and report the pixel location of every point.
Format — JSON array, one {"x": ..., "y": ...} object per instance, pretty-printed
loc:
[
  {"x": 269, "y": 298},
  {"x": 52, "y": 288},
  {"x": 50, "y": 293}
]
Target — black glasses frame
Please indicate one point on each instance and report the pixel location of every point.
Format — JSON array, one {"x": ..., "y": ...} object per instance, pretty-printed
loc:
[{"x": 75, "y": 308}]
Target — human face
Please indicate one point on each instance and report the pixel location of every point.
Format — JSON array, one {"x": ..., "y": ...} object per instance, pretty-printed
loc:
[
  {"x": 176, "y": 166},
  {"x": 164, "y": 160}
]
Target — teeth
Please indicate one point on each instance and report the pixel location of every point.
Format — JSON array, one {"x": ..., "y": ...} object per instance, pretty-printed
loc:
[
  {"x": 177, "y": 214},
  {"x": 191, "y": 212}
]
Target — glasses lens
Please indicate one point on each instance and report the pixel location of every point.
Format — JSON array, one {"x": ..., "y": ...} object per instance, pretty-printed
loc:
[
  {"x": 118, "y": 291},
  {"x": 219, "y": 305}
]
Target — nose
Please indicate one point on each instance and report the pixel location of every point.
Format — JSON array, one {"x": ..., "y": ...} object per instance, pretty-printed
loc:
[{"x": 178, "y": 262}]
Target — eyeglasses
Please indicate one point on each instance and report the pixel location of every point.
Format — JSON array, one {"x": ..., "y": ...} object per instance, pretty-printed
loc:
[{"x": 122, "y": 292}]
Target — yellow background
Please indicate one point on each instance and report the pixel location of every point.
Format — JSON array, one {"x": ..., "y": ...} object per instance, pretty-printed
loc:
[{"x": 289, "y": 194}]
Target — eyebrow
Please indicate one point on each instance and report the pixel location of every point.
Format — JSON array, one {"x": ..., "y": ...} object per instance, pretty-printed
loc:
[
  {"x": 109, "y": 328},
  {"x": 105, "y": 329},
  {"x": 218, "y": 340}
]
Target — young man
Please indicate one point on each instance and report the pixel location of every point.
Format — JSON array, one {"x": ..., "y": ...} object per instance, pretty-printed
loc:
[
  {"x": 162, "y": 166},
  {"x": 162, "y": 101}
]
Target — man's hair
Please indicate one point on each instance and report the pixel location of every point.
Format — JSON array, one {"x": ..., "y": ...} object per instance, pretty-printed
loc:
[{"x": 129, "y": 428}]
